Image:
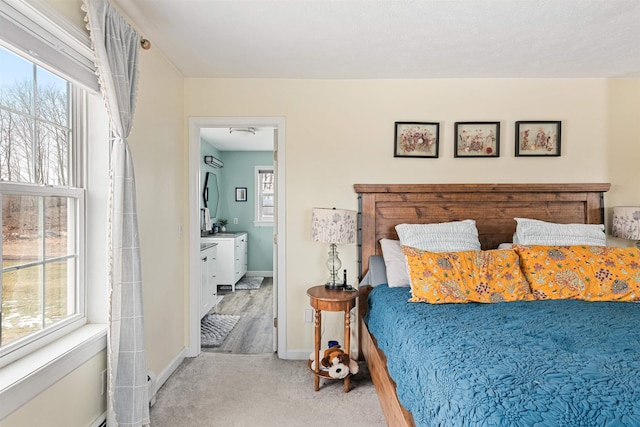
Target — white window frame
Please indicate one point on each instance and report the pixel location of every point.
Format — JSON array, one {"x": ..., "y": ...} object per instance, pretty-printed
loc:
[
  {"x": 36, "y": 340},
  {"x": 258, "y": 221},
  {"x": 32, "y": 373},
  {"x": 74, "y": 190}
]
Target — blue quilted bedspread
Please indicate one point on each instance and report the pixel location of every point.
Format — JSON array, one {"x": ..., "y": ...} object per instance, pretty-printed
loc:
[{"x": 539, "y": 363}]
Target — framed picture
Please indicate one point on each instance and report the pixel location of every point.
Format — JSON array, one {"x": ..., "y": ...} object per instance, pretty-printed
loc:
[
  {"x": 477, "y": 139},
  {"x": 416, "y": 139},
  {"x": 538, "y": 138},
  {"x": 241, "y": 194}
]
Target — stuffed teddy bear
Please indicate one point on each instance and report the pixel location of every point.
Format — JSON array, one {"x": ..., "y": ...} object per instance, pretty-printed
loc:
[{"x": 336, "y": 362}]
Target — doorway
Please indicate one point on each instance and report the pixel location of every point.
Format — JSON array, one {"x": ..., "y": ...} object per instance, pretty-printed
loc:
[{"x": 195, "y": 127}]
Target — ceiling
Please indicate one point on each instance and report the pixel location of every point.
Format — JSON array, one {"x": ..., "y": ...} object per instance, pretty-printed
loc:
[
  {"x": 239, "y": 140},
  {"x": 388, "y": 39},
  {"x": 393, "y": 39}
]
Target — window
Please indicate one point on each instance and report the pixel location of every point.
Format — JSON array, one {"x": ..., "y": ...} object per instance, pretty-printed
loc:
[
  {"x": 42, "y": 292},
  {"x": 265, "y": 196}
]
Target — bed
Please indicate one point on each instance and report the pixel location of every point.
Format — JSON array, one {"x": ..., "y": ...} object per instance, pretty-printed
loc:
[{"x": 512, "y": 378}]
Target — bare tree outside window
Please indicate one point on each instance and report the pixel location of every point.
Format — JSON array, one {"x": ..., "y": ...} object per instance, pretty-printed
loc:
[{"x": 39, "y": 249}]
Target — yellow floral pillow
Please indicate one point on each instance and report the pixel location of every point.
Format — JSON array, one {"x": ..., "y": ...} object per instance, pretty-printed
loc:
[
  {"x": 591, "y": 273},
  {"x": 469, "y": 276}
]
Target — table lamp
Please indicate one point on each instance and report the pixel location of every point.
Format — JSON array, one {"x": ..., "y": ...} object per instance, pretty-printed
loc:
[
  {"x": 333, "y": 226},
  {"x": 626, "y": 223}
]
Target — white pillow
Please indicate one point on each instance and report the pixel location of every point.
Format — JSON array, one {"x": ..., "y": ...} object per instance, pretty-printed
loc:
[
  {"x": 536, "y": 232},
  {"x": 452, "y": 236},
  {"x": 396, "y": 263}
]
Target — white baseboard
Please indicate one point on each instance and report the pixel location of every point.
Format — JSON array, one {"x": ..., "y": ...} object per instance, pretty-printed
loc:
[
  {"x": 166, "y": 372},
  {"x": 100, "y": 421},
  {"x": 296, "y": 355},
  {"x": 160, "y": 380},
  {"x": 260, "y": 273}
]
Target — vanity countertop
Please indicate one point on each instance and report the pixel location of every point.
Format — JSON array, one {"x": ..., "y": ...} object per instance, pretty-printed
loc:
[{"x": 223, "y": 235}]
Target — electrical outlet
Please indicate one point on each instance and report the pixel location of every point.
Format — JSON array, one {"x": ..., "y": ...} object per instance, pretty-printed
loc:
[
  {"x": 235, "y": 220},
  {"x": 308, "y": 315}
]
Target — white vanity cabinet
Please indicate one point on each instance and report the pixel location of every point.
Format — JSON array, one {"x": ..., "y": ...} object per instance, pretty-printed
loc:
[
  {"x": 232, "y": 256},
  {"x": 208, "y": 280},
  {"x": 241, "y": 258}
]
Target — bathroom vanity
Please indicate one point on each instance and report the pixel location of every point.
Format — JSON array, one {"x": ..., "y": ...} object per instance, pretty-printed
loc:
[
  {"x": 232, "y": 250},
  {"x": 209, "y": 298}
]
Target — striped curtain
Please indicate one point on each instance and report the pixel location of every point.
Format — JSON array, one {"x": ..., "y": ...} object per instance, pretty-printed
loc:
[{"x": 116, "y": 45}]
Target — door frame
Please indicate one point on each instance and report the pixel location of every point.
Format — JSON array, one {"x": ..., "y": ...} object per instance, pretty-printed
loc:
[{"x": 193, "y": 314}]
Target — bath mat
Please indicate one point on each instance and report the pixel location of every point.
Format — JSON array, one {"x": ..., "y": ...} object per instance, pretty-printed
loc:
[{"x": 214, "y": 328}]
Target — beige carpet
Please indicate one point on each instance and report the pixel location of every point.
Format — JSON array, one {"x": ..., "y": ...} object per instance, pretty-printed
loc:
[{"x": 217, "y": 389}]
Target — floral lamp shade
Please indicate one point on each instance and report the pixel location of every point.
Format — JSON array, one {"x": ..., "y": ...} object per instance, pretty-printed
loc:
[
  {"x": 333, "y": 225},
  {"x": 626, "y": 222}
]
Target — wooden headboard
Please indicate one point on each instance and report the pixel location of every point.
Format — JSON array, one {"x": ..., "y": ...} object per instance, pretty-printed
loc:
[{"x": 492, "y": 206}]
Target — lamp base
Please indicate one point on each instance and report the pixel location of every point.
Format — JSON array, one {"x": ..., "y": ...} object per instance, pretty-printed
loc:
[{"x": 333, "y": 264}]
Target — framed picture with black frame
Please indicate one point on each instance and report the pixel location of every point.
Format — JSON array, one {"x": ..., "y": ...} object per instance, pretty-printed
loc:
[
  {"x": 538, "y": 139},
  {"x": 477, "y": 139},
  {"x": 241, "y": 194},
  {"x": 416, "y": 139}
]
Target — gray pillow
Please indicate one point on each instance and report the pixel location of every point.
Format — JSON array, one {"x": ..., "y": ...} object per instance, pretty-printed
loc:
[
  {"x": 377, "y": 272},
  {"x": 452, "y": 236},
  {"x": 536, "y": 232}
]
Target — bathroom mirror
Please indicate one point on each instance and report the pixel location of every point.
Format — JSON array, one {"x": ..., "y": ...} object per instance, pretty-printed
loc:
[{"x": 211, "y": 194}]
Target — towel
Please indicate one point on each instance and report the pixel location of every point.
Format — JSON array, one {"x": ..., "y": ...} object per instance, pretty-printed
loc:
[{"x": 206, "y": 220}]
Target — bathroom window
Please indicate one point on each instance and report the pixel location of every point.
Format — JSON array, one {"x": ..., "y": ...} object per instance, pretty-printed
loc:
[{"x": 265, "y": 195}]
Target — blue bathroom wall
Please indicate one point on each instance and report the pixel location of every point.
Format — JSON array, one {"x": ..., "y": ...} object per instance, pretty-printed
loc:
[{"x": 239, "y": 171}]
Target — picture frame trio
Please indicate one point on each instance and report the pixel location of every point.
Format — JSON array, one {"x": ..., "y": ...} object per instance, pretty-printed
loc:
[{"x": 478, "y": 139}]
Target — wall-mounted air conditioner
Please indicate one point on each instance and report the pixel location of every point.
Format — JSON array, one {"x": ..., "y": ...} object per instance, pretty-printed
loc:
[{"x": 213, "y": 162}]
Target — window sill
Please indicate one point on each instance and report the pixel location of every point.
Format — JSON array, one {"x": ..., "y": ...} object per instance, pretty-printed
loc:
[
  {"x": 263, "y": 223},
  {"x": 27, "y": 377}
]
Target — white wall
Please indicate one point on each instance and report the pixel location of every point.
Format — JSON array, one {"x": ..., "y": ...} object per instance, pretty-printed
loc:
[
  {"x": 341, "y": 132},
  {"x": 623, "y": 145},
  {"x": 74, "y": 401},
  {"x": 338, "y": 133},
  {"x": 158, "y": 147}
]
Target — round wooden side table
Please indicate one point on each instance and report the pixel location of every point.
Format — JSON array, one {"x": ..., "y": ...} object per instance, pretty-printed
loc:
[{"x": 323, "y": 299}]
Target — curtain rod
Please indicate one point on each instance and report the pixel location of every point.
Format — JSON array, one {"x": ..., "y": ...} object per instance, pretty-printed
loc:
[{"x": 145, "y": 43}]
